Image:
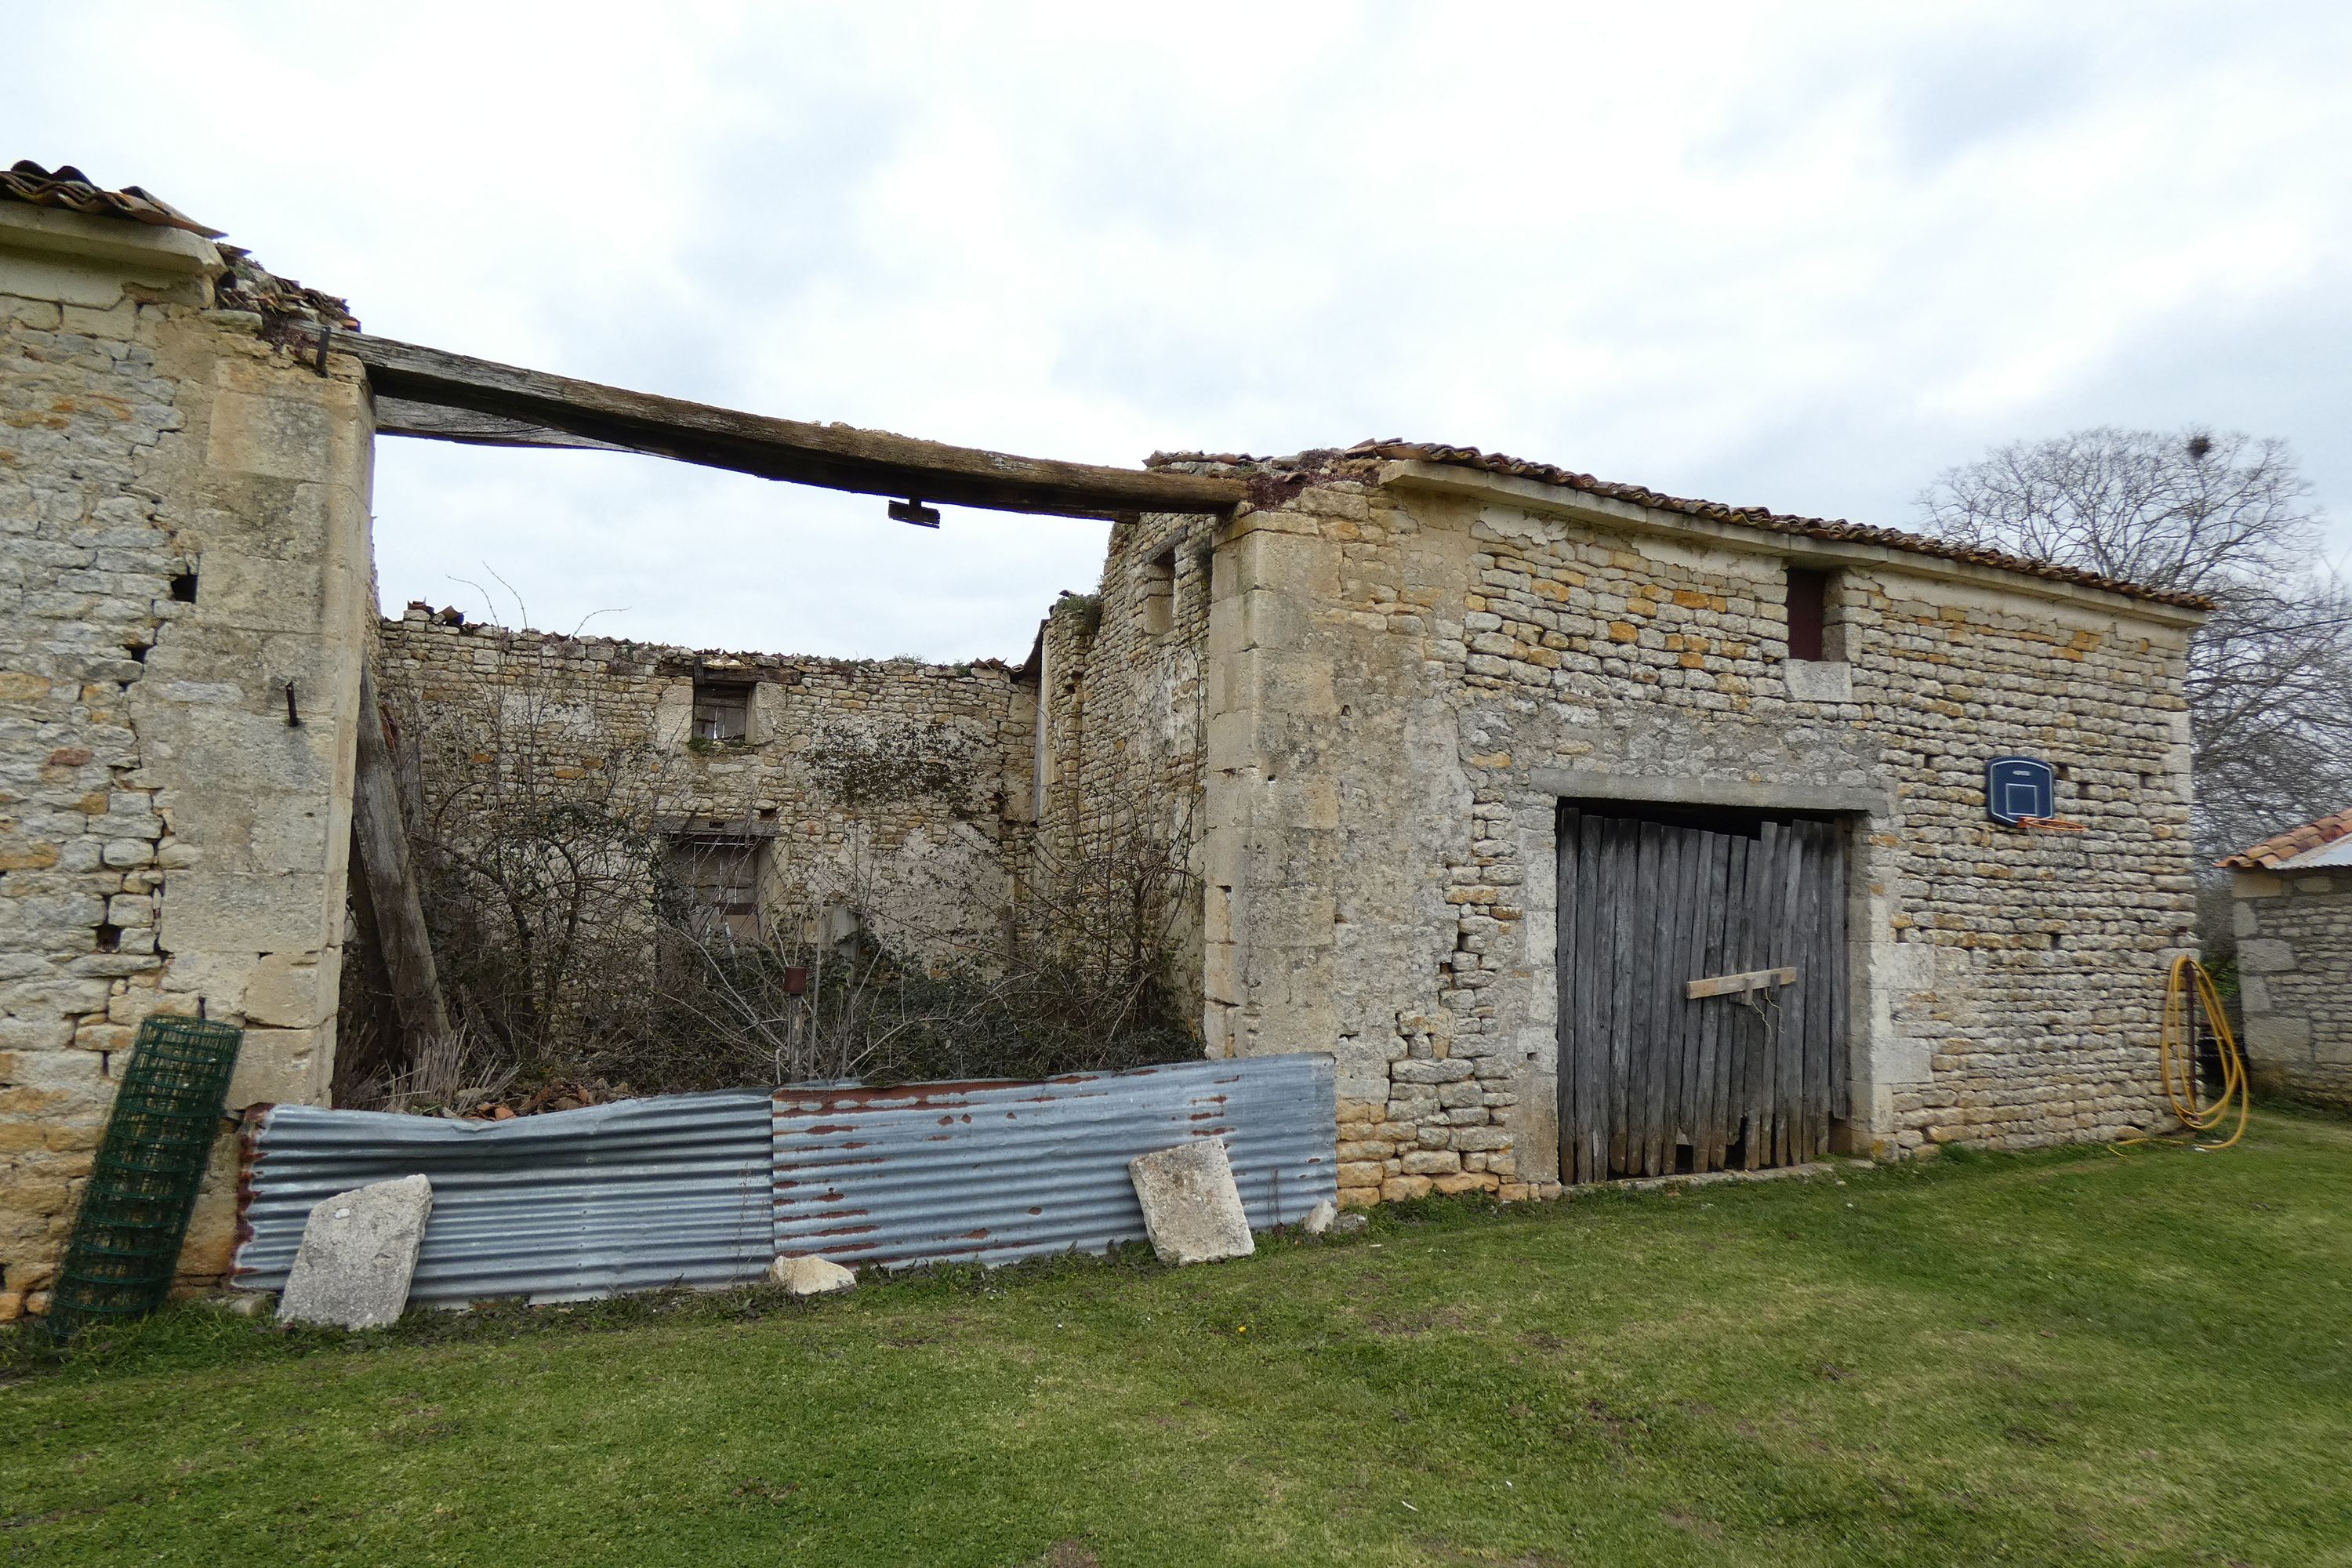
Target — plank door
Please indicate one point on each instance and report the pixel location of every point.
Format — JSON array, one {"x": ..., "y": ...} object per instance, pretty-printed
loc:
[{"x": 1652, "y": 1083}]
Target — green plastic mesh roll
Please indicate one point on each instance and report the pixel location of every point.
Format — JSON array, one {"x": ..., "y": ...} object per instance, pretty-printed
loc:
[{"x": 143, "y": 1183}]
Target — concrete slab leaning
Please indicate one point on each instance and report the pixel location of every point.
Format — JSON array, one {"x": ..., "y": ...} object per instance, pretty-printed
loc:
[
  {"x": 1192, "y": 1209},
  {"x": 358, "y": 1254}
]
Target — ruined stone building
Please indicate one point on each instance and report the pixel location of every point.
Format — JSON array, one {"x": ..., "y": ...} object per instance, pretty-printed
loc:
[
  {"x": 1474, "y": 766},
  {"x": 2291, "y": 906}
]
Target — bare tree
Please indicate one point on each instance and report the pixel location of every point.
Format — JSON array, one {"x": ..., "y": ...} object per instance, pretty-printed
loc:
[{"x": 2197, "y": 512}]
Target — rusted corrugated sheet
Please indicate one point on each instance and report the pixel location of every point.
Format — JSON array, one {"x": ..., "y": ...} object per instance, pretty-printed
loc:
[
  {"x": 703, "y": 1189},
  {"x": 633, "y": 1195},
  {"x": 994, "y": 1170}
]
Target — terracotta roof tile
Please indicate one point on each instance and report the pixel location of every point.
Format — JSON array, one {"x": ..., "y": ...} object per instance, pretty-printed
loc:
[
  {"x": 1748, "y": 516},
  {"x": 67, "y": 187},
  {"x": 2279, "y": 848}
]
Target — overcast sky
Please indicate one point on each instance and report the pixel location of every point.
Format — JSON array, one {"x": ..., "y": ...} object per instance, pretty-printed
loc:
[{"x": 1799, "y": 255}]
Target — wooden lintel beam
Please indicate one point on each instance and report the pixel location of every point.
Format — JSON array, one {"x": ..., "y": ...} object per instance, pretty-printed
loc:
[
  {"x": 432, "y": 421},
  {"x": 870, "y": 462}
]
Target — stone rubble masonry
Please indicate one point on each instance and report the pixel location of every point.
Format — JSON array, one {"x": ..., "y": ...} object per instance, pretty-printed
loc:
[
  {"x": 2294, "y": 969},
  {"x": 1348, "y": 715},
  {"x": 168, "y": 840},
  {"x": 1399, "y": 682},
  {"x": 885, "y": 786}
]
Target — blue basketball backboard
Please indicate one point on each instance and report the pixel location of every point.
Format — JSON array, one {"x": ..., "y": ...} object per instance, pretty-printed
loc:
[{"x": 2019, "y": 788}]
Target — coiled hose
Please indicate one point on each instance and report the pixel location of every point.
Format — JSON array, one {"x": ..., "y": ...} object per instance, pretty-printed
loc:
[{"x": 2188, "y": 991}]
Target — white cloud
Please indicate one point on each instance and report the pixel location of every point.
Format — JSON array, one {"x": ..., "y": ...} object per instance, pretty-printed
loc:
[{"x": 1805, "y": 255}]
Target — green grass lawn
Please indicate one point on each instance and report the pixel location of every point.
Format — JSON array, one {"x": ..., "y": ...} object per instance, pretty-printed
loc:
[{"x": 2086, "y": 1357}]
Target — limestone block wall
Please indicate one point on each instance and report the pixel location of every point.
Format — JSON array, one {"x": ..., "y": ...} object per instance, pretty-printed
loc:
[
  {"x": 2294, "y": 966},
  {"x": 1126, "y": 710},
  {"x": 1402, "y": 682},
  {"x": 881, "y": 784},
  {"x": 184, "y": 551}
]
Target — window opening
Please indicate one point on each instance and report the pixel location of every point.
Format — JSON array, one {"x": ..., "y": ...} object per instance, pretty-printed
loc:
[
  {"x": 1809, "y": 598},
  {"x": 722, "y": 711},
  {"x": 721, "y": 880},
  {"x": 1160, "y": 592}
]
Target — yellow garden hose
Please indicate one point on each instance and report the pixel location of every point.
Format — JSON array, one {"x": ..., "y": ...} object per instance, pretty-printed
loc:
[{"x": 2188, "y": 991}]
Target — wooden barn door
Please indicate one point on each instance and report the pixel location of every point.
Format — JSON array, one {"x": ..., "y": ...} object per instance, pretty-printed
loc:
[{"x": 1653, "y": 1082}]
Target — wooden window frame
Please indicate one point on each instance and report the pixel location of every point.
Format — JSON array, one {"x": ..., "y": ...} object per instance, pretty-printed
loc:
[{"x": 712, "y": 699}]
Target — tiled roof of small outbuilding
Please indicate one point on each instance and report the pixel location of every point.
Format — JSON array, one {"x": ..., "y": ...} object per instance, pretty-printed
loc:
[{"x": 2281, "y": 848}]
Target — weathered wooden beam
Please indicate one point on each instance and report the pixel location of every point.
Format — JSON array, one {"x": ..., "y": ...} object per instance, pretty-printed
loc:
[
  {"x": 1739, "y": 985},
  {"x": 382, "y": 839},
  {"x": 870, "y": 462},
  {"x": 430, "y": 421}
]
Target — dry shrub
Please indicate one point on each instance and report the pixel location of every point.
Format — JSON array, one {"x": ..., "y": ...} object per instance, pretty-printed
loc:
[{"x": 572, "y": 944}]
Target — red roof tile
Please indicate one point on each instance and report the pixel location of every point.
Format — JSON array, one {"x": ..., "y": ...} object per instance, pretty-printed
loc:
[
  {"x": 69, "y": 188},
  {"x": 1748, "y": 516},
  {"x": 2282, "y": 847}
]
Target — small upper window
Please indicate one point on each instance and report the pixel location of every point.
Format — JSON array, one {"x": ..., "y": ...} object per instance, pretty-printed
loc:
[
  {"x": 722, "y": 711},
  {"x": 1809, "y": 607},
  {"x": 1158, "y": 593}
]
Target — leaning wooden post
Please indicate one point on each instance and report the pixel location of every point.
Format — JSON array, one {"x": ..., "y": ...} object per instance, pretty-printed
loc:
[{"x": 381, "y": 840}]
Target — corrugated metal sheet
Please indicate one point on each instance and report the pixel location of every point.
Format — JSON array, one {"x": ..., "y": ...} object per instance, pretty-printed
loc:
[
  {"x": 703, "y": 1189},
  {"x": 994, "y": 1170},
  {"x": 629, "y": 1196}
]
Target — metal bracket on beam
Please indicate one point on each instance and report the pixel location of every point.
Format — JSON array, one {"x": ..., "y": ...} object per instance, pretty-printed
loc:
[{"x": 915, "y": 513}]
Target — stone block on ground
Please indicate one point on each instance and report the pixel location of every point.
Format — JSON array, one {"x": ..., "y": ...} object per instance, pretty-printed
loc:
[
  {"x": 358, "y": 1254},
  {"x": 1318, "y": 1219},
  {"x": 1350, "y": 1223},
  {"x": 1192, "y": 1210},
  {"x": 811, "y": 1276}
]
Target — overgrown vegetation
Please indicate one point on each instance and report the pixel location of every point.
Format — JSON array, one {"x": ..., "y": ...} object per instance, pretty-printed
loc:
[
  {"x": 2130, "y": 1356},
  {"x": 1081, "y": 986},
  {"x": 595, "y": 923}
]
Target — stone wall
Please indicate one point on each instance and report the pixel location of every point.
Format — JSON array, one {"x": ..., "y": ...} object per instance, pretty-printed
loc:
[
  {"x": 1124, "y": 677},
  {"x": 184, "y": 551},
  {"x": 2294, "y": 966},
  {"x": 1343, "y": 721},
  {"x": 1407, "y": 669},
  {"x": 880, "y": 789}
]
